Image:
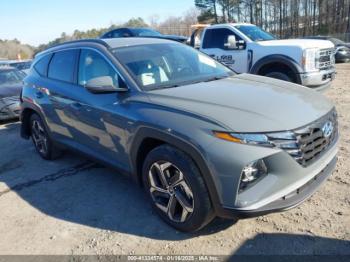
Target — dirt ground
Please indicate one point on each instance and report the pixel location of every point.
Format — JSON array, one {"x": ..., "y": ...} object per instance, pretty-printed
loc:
[{"x": 73, "y": 206}]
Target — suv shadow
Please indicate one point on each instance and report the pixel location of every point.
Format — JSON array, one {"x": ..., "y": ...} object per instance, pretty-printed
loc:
[
  {"x": 77, "y": 190},
  {"x": 285, "y": 247}
]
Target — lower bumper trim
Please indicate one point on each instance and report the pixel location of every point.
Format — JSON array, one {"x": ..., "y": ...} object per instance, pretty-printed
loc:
[{"x": 289, "y": 201}]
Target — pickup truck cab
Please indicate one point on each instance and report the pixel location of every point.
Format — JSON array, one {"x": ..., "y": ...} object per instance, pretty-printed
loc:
[{"x": 246, "y": 48}]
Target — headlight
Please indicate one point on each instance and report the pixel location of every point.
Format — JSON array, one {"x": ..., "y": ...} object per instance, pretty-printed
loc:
[
  {"x": 255, "y": 139},
  {"x": 310, "y": 59},
  {"x": 267, "y": 139},
  {"x": 254, "y": 171}
]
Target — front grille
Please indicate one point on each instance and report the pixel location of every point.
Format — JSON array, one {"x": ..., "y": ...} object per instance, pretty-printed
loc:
[
  {"x": 309, "y": 143},
  {"x": 326, "y": 58}
]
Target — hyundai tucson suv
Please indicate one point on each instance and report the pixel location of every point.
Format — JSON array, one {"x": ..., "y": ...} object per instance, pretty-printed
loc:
[{"x": 201, "y": 140}]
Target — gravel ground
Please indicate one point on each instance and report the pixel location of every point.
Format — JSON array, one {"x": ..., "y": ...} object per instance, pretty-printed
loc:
[{"x": 73, "y": 206}]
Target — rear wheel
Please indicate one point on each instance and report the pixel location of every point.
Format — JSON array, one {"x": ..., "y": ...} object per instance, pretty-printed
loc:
[
  {"x": 41, "y": 140},
  {"x": 177, "y": 189}
]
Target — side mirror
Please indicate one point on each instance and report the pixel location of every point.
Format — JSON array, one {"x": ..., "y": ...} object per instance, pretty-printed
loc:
[
  {"x": 231, "y": 42},
  {"x": 103, "y": 84}
]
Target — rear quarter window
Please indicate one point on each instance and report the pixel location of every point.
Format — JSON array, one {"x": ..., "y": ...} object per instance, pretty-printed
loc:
[
  {"x": 62, "y": 65},
  {"x": 42, "y": 64}
]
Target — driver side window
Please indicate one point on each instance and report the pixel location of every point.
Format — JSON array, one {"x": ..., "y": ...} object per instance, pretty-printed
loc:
[
  {"x": 93, "y": 68},
  {"x": 217, "y": 38}
]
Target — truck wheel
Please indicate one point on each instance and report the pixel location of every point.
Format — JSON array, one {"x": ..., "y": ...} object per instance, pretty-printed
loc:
[
  {"x": 177, "y": 189},
  {"x": 279, "y": 75},
  {"x": 41, "y": 139}
]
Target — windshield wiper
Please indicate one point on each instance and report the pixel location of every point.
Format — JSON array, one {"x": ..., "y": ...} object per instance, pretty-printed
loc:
[
  {"x": 165, "y": 87},
  {"x": 215, "y": 78},
  {"x": 190, "y": 82}
]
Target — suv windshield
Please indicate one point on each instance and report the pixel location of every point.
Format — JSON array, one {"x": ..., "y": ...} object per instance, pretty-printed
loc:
[
  {"x": 145, "y": 32},
  {"x": 255, "y": 33},
  {"x": 168, "y": 65}
]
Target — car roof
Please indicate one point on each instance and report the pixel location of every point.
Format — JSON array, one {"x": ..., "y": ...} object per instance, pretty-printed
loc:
[
  {"x": 6, "y": 68},
  {"x": 133, "y": 28},
  {"x": 134, "y": 41},
  {"x": 230, "y": 24},
  {"x": 8, "y": 62},
  {"x": 108, "y": 43}
]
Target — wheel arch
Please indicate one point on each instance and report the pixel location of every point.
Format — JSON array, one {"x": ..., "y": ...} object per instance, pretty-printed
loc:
[
  {"x": 153, "y": 137},
  {"x": 25, "y": 120},
  {"x": 273, "y": 60}
]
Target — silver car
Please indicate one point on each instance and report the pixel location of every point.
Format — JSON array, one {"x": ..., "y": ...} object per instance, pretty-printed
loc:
[{"x": 202, "y": 140}]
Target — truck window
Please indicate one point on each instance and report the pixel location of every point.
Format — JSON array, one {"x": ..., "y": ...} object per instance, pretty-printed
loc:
[{"x": 217, "y": 37}]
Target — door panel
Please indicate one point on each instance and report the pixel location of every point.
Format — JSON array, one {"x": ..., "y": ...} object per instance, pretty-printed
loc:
[
  {"x": 98, "y": 119},
  {"x": 214, "y": 45},
  {"x": 59, "y": 82}
]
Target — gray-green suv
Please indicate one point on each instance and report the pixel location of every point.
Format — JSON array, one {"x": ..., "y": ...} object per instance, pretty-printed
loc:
[{"x": 202, "y": 140}]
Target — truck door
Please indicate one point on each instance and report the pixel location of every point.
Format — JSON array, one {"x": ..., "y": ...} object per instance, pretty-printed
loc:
[{"x": 214, "y": 44}]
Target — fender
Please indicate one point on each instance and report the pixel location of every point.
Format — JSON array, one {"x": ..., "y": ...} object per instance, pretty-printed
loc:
[
  {"x": 190, "y": 149},
  {"x": 25, "y": 129},
  {"x": 288, "y": 61}
]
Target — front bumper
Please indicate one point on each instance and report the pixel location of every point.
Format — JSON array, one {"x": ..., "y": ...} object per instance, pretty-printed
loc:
[
  {"x": 287, "y": 184},
  {"x": 291, "y": 200},
  {"x": 318, "y": 80}
]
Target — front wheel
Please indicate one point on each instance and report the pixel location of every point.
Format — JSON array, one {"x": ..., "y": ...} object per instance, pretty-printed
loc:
[{"x": 177, "y": 189}]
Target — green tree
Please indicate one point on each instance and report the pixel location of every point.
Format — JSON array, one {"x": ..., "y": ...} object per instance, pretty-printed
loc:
[
  {"x": 136, "y": 22},
  {"x": 208, "y": 8}
]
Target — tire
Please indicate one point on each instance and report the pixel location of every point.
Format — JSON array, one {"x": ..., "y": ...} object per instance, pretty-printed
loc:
[
  {"x": 42, "y": 142},
  {"x": 279, "y": 75},
  {"x": 189, "y": 191}
]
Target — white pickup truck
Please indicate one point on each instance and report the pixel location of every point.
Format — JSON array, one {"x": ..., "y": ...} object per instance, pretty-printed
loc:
[{"x": 247, "y": 48}]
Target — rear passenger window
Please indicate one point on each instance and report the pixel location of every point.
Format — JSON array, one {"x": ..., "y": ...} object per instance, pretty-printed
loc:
[
  {"x": 41, "y": 65},
  {"x": 62, "y": 65}
]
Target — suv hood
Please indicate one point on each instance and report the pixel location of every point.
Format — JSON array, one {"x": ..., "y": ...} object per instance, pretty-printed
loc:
[
  {"x": 247, "y": 103},
  {"x": 302, "y": 43}
]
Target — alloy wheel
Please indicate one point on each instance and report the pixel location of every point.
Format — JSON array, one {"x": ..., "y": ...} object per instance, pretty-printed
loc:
[
  {"x": 170, "y": 191},
  {"x": 39, "y": 137}
]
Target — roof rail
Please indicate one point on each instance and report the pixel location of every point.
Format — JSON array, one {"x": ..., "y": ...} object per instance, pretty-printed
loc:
[{"x": 87, "y": 40}]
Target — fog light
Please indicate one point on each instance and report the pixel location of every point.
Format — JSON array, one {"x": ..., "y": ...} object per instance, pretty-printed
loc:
[{"x": 252, "y": 173}]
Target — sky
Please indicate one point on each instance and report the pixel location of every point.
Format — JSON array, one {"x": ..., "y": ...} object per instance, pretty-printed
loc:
[{"x": 39, "y": 21}]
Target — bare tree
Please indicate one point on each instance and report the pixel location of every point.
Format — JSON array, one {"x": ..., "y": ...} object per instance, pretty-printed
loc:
[{"x": 287, "y": 17}]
